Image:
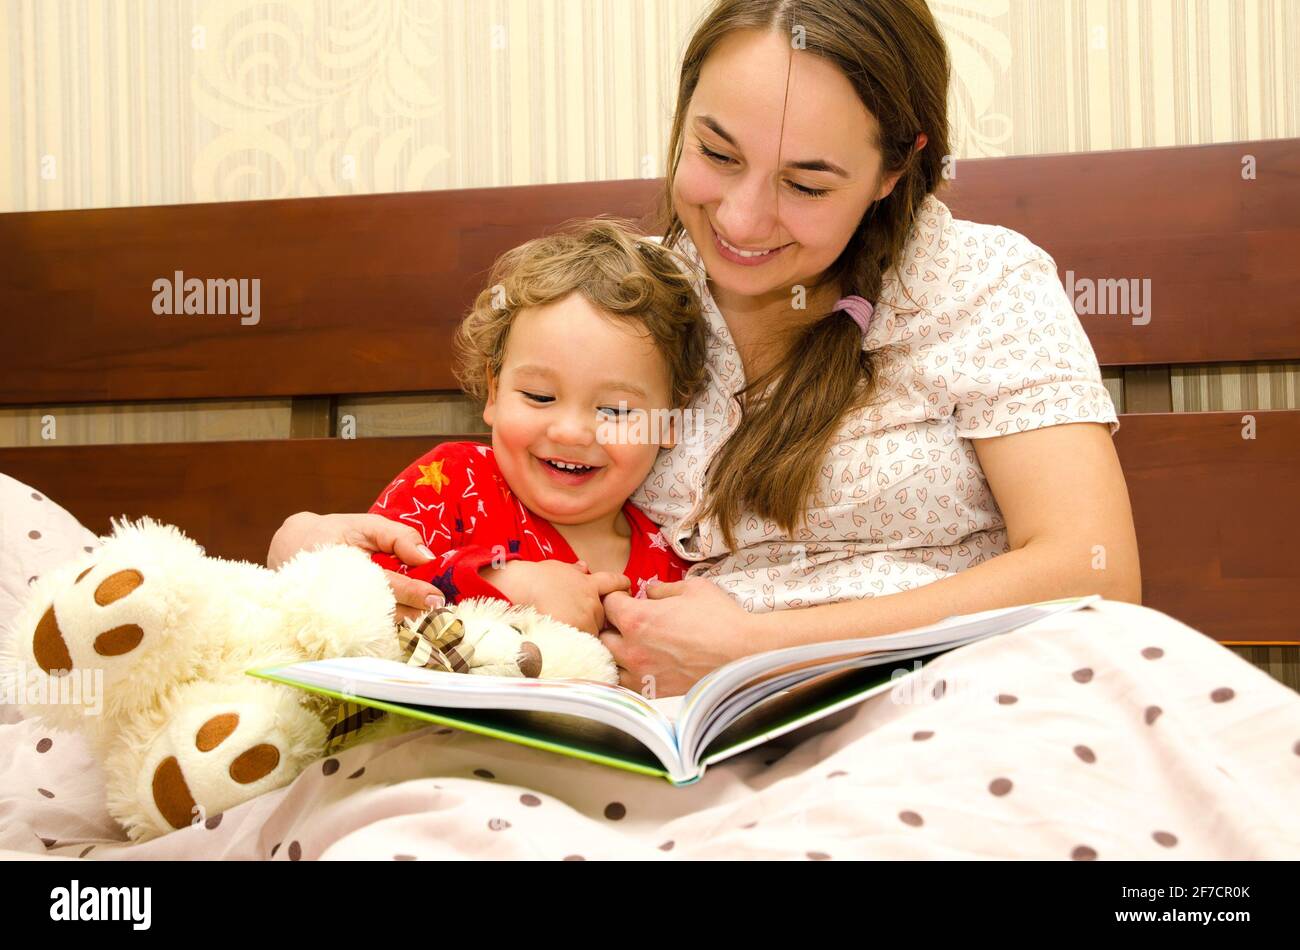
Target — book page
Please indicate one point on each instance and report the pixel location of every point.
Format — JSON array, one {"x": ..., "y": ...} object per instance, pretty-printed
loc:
[
  {"x": 371, "y": 678},
  {"x": 670, "y": 707},
  {"x": 749, "y": 673},
  {"x": 795, "y": 707}
]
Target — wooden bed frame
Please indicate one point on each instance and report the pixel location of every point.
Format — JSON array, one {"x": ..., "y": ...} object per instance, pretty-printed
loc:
[{"x": 360, "y": 294}]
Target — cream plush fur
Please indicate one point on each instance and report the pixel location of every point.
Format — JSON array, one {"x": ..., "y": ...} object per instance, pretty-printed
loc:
[{"x": 157, "y": 638}]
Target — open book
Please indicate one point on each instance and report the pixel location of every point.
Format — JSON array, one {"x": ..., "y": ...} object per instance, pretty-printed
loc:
[{"x": 734, "y": 708}]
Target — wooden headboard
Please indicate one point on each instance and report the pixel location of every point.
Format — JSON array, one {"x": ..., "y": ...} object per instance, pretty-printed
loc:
[{"x": 360, "y": 295}]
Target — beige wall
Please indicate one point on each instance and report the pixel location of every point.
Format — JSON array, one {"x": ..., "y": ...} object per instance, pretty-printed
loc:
[
  {"x": 129, "y": 102},
  {"x": 146, "y": 102}
]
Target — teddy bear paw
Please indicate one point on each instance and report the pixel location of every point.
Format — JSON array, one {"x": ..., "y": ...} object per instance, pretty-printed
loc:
[
  {"x": 225, "y": 743},
  {"x": 101, "y": 637}
]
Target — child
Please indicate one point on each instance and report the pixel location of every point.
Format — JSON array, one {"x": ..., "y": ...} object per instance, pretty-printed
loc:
[{"x": 581, "y": 345}]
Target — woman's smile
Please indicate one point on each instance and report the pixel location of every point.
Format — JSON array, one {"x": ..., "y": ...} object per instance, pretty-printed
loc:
[{"x": 745, "y": 258}]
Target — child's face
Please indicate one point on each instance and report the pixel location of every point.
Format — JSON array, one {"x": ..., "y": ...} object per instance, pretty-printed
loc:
[{"x": 567, "y": 367}]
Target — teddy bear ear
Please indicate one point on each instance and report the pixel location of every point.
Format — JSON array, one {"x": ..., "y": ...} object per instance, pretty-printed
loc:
[{"x": 146, "y": 526}]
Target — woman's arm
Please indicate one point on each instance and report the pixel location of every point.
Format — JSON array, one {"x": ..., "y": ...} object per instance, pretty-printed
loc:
[{"x": 1069, "y": 528}]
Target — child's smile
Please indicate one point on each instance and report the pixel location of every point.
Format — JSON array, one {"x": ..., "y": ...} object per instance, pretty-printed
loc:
[
  {"x": 571, "y": 378},
  {"x": 570, "y": 473}
]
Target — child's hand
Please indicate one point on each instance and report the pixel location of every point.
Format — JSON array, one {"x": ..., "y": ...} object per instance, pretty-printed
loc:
[
  {"x": 370, "y": 533},
  {"x": 567, "y": 592}
]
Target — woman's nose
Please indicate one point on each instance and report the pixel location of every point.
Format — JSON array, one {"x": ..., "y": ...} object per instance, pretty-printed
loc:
[{"x": 748, "y": 210}]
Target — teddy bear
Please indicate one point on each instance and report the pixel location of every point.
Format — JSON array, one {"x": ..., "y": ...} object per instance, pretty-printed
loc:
[{"x": 143, "y": 645}]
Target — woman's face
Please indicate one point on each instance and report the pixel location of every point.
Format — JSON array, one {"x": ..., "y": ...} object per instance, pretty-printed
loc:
[
  {"x": 577, "y": 388},
  {"x": 793, "y": 169}
]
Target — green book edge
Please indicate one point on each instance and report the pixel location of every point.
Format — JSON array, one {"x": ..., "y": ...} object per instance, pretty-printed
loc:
[
  {"x": 521, "y": 737},
  {"x": 866, "y": 680}
]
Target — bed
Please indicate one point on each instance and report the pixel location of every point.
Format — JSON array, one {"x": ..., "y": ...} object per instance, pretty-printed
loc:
[{"x": 1116, "y": 732}]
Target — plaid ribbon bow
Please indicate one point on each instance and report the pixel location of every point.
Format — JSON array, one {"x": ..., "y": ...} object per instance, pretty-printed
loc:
[{"x": 435, "y": 643}]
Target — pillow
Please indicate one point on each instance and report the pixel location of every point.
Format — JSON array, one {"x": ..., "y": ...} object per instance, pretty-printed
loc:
[{"x": 35, "y": 535}]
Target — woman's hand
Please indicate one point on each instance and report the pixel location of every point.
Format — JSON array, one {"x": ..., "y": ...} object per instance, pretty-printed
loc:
[
  {"x": 307, "y": 530},
  {"x": 567, "y": 592},
  {"x": 677, "y": 634}
]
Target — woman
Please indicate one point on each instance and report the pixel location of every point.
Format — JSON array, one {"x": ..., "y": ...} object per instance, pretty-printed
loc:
[{"x": 858, "y": 469}]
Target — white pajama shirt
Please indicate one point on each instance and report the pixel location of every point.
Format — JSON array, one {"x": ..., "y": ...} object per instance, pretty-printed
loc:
[{"x": 985, "y": 343}]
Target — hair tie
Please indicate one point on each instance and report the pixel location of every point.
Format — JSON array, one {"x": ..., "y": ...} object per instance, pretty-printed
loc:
[{"x": 859, "y": 308}]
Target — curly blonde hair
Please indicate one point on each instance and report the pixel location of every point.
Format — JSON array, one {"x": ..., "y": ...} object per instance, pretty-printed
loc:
[{"x": 617, "y": 270}]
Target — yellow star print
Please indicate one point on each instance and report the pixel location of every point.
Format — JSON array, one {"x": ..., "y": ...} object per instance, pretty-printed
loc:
[{"x": 432, "y": 475}]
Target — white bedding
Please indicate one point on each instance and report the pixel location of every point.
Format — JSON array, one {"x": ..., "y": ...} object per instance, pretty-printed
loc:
[{"x": 1044, "y": 743}]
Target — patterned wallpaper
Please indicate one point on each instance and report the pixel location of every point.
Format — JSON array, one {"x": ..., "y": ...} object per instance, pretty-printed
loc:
[{"x": 130, "y": 102}]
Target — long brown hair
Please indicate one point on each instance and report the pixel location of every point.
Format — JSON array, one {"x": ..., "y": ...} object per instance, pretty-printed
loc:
[{"x": 896, "y": 59}]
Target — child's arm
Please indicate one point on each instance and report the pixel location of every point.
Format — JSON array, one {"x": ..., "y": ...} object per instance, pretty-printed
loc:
[{"x": 429, "y": 495}]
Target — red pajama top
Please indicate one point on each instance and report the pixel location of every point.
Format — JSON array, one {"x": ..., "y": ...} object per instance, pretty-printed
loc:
[{"x": 456, "y": 497}]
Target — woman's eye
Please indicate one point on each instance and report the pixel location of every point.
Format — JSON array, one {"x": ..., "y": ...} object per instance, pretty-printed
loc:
[
  {"x": 724, "y": 160},
  {"x": 810, "y": 192},
  {"x": 534, "y": 397},
  {"x": 712, "y": 155}
]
